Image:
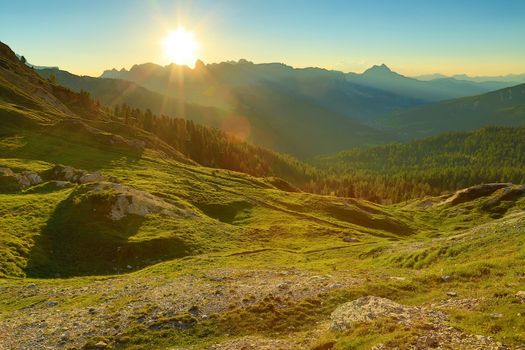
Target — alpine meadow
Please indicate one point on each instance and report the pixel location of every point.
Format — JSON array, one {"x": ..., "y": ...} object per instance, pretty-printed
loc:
[{"x": 266, "y": 175}]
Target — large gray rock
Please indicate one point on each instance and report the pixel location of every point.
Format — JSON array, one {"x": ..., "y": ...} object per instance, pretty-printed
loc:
[
  {"x": 93, "y": 177},
  {"x": 126, "y": 201},
  {"x": 25, "y": 178},
  {"x": 70, "y": 174},
  {"x": 6, "y": 172},
  {"x": 520, "y": 295},
  {"x": 29, "y": 178},
  {"x": 66, "y": 173}
]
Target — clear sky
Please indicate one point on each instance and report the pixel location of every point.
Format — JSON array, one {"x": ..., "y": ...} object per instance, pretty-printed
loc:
[{"x": 477, "y": 37}]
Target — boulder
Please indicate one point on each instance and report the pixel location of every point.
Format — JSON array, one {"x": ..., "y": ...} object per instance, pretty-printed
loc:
[
  {"x": 6, "y": 172},
  {"x": 366, "y": 309},
  {"x": 65, "y": 173},
  {"x": 70, "y": 174},
  {"x": 521, "y": 296},
  {"x": 446, "y": 278},
  {"x": 93, "y": 177},
  {"x": 474, "y": 192},
  {"x": 24, "y": 179},
  {"x": 62, "y": 184},
  {"x": 121, "y": 201},
  {"x": 29, "y": 178}
]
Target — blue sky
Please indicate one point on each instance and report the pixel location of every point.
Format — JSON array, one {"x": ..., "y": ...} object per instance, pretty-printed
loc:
[{"x": 412, "y": 37}]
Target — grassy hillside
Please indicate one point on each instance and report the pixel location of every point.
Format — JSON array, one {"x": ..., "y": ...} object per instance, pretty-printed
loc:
[
  {"x": 111, "y": 238},
  {"x": 505, "y": 107}
]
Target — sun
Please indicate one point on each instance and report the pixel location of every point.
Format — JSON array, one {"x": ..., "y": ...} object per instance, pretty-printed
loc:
[{"x": 180, "y": 47}]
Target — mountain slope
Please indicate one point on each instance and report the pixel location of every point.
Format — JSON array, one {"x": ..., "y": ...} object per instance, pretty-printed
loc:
[
  {"x": 122, "y": 199},
  {"x": 113, "y": 92},
  {"x": 504, "y": 107}
]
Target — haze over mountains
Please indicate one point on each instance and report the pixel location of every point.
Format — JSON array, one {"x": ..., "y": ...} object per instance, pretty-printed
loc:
[
  {"x": 313, "y": 83},
  {"x": 303, "y": 112},
  {"x": 381, "y": 77},
  {"x": 265, "y": 113},
  {"x": 509, "y": 78}
]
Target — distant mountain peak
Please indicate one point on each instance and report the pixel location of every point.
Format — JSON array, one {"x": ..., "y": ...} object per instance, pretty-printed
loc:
[{"x": 382, "y": 69}]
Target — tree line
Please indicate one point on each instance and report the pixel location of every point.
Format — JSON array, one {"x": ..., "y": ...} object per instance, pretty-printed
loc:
[{"x": 383, "y": 174}]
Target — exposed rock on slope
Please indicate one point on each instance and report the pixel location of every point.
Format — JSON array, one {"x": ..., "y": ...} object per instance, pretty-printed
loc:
[
  {"x": 120, "y": 201},
  {"x": 104, "y": 227},
  {"x": 60, "y": 175},
  {"x": 282, "y": 184},
  {"x": 474, "y": 192},
  {"x": 68, "y": 173},
  {"x": 19, "y": 180}
]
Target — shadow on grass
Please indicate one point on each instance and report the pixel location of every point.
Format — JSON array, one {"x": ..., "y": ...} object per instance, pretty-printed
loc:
[{"x": 79, "y": 239}]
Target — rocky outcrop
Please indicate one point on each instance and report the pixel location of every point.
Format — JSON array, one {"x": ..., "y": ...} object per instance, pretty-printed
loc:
[
  {"x": 119, "y": 201},
  {"x": 29, "y": 178},
  {"x": 70, "y": 174},
  {"x": 24, "y": 178},
  {"x": 474, "y": 192},
  {"x": 281, "y": 184},
  {"x": 93, "y": 177},
  {"x": 520, "y": 295},
  {"x": 60, "y": 175},
  {"x": 65, "y": 173}
]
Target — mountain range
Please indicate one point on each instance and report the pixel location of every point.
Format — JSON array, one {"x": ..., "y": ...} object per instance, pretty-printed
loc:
[
  {"x": 381, "y": 77},
  {"x": 303, "y": 112},
  {"x": 509, "y": 78}
]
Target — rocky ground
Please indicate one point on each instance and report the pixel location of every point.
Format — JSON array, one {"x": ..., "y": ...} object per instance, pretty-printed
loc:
[
  {"x": 66, "y": 316},
  {"x": 49, "y": 320},
  {"x": 436, "y": 334}
]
